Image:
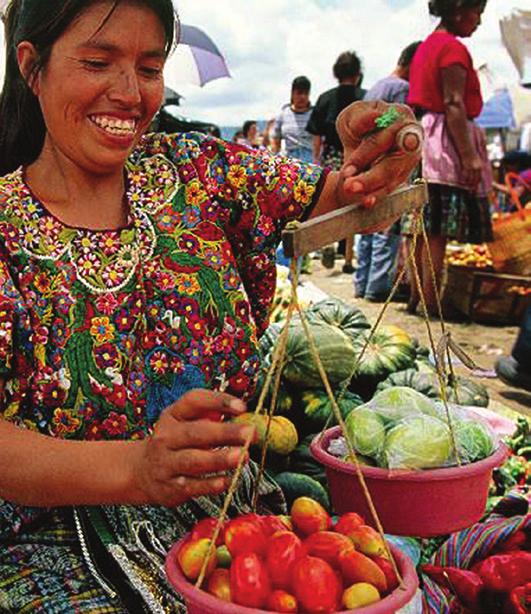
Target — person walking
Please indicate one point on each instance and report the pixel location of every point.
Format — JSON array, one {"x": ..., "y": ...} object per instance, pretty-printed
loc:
[
  {"x": 322, "y": 124},
  {"x": 376, "y": 253},
  {"x": 445, "y": 91}
]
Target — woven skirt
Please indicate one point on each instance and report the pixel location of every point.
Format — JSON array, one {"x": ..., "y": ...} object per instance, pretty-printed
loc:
[
  {"x": 454, "y": 213},
  {"x": 107, "y": 559}
]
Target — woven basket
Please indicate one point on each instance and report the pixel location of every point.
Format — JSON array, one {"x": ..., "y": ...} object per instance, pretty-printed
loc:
[{"x": 511, "y": 247}]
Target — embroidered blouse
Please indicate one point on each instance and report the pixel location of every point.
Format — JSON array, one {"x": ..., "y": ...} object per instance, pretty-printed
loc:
[{"x": 101, "y": 330}]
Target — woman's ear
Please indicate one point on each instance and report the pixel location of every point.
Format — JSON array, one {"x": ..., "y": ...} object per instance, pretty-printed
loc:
[{"x": 27, "y": 59}]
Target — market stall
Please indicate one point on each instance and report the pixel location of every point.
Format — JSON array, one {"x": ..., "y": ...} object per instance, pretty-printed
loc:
[{"x": 368, "y": 433}]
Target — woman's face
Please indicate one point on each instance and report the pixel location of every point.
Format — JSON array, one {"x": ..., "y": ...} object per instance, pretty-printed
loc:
[
  {"x": 103, "y": 84},
  {"x": 466, "y": 21},
  {"x": 252, "y": 133},
  {"x": 300, "y": 100}
]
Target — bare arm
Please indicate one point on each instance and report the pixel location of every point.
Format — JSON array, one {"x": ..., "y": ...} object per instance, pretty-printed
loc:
[
  {"x": 275, "y": 145},
  {"x": 167, "y": 468},
  {"x": 453, "y": 85}
]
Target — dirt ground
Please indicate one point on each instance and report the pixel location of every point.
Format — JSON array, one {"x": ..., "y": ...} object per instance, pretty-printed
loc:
[{"x": 483, "y": 343}]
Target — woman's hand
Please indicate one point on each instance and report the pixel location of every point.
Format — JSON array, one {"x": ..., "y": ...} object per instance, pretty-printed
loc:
[
  {"x": 376, "y": 160},
  {"x": 176, "y": 463},
  {"x": 472, "y": 166}
]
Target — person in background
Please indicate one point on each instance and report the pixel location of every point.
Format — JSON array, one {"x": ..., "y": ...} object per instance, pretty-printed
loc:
[
  {"x": 250, "y": 134},
  {"x": 445, "y": 90},
  {"x": 515, "y": 369},
  {"x": 237, "y": 136},
  {"x": 376, "y": 253},
  {"x": 290, "y": 128},
  {"x": 265, "y": 137},
  {"x": 326, "y": 143},
  {"x": 137, "y": 273},
  {"x": 290, "y": 124}
]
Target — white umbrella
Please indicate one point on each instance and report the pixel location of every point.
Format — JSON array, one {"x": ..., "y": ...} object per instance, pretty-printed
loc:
[{"x": 196, "y": 59}]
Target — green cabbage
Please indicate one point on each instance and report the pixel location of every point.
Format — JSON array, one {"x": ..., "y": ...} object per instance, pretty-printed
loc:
[
  {"x": 417, "y": 442},
  {"x": 473, "y": 440},
  {"x": 366, "y": 431},
  {"x": 399, "y": 402}
]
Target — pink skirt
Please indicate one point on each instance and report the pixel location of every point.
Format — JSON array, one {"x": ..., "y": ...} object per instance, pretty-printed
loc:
[{"x": 441, "y": 162}]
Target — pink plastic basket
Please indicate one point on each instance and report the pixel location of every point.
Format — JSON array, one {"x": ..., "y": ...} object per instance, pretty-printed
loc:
[
  {"x": 417, "y": 503},
  {"x": 201, "y": 602}
]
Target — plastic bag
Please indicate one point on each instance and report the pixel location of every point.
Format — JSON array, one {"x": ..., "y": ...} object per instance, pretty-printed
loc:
[{"x": 403, "y": 429}]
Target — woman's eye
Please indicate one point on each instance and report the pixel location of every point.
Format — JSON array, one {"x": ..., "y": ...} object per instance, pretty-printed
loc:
[
  {"x": 150, "y": 71},
  {"x": 96, "y": 64}
]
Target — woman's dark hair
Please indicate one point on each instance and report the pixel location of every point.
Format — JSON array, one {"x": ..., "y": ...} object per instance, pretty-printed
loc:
[
  {"x": 347, "y": 66},
  {"x": 247, "y": 126},
  {"x": 301, "y": 84},
  {"x": 446, "y": 8},
  {"x": 42, "y": 22},
  {"x": 406, "y": 57}
]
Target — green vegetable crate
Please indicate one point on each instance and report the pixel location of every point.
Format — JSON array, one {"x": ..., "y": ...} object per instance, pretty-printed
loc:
[{"x": 486, "y": 296}]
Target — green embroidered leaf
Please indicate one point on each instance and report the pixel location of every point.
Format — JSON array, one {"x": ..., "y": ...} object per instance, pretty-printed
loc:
[
  {"x": 67, "y": 234},
  {"x": 127, "y": 236}
]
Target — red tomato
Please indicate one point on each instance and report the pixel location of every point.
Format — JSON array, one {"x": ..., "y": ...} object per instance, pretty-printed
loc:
[
  {"x": 316, "y": 585},
  {"x": 219, "y": 584},
  {"x": 245, "y": 534},
  {"x": 281, "y": 601},
  {"x": 249, "y": 582},
  {"x": 389, "y": 573},
  {"x": 205, "y": 528},
  {"x": 283, "y": 549},
  {"x": 191, "y": 556},
  {"x": 272, "y": 524},
  {"x": 347, "y": 522},
  {"x": 356, "y": 567},
  {"x": 327, "y": 545},
  {"x": 309, "y": 516}
]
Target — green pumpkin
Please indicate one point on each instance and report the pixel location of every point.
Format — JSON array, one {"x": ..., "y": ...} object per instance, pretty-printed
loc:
[
  {"x": 350, "y": 319},
  {"x": 465, "y": 392},
  {"x": 302, "y": 461},
  {"x": 318, "y": 411},
  {"x": 295, "y": 485},
  {"x": 390, "y": 350},
  {"x": 336, "y": 353}
]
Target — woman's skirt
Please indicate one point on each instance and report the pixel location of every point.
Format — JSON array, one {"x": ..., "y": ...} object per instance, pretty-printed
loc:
[{"x": 453, "y": 211}]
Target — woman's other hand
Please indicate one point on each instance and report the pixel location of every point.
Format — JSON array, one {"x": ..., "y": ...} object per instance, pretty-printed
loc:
[
  {"x": 472, "y": 166},
  {"x": 376, "y": 160},
  {"x": 188, "y": 454}
]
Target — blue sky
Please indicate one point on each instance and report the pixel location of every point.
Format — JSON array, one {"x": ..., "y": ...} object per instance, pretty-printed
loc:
[{"x": 268, "y": 42}]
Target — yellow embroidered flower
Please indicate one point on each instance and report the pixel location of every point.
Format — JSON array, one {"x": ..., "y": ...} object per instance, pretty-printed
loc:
[
  {"x": 102, "y": 329},
  {"x": 42, "y": 283},
  {"x": 303, "y": 192},
  {"x": 237, "y": 176},
  {"x": 187, "y": 284},
  {"x": 195, "y": 194},
  {"x": 64, "y": 422}
]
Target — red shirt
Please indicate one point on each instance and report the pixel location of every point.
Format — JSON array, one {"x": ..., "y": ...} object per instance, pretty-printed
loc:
[{"x": 439, "y": 51}]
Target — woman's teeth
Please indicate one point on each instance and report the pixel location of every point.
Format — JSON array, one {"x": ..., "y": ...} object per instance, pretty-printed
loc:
[{"x": 120, "y": 127}]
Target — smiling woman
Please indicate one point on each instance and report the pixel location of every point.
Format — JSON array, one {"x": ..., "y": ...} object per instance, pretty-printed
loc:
[{"x": 136, "y": 273}]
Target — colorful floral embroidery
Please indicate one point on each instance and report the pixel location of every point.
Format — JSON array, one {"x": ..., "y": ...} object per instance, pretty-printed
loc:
[{"x": 101, "y": 330}]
